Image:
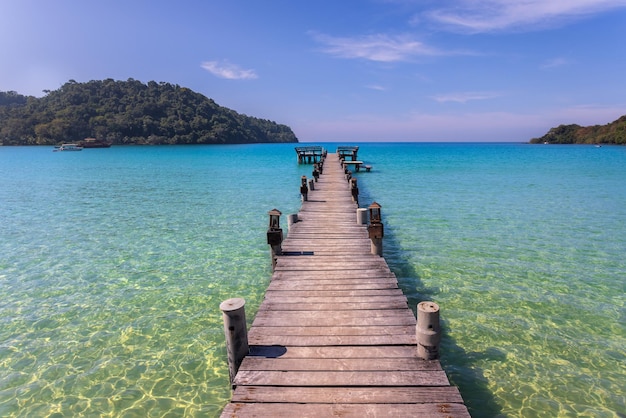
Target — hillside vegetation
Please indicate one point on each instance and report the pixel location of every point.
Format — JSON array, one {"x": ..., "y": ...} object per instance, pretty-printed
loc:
[
  {"x": 612, "y": 133},
  {"x": 129, "y": 112}
]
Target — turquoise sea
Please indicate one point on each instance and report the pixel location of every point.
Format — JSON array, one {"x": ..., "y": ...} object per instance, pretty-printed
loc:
[{"x": 113, "y": 263}]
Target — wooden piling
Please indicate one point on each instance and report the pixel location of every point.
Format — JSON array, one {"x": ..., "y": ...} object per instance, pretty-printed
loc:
[
  {"x": 235, "y": 331},
  {"x": 428, "y": 330}
]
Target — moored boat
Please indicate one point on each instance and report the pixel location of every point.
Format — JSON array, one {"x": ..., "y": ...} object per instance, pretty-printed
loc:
[{"x": 68, "y": 147}]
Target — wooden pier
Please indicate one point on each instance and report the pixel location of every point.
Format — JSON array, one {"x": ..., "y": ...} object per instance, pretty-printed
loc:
[
  {"x": 310, "y": 154},
  {"x": 334, "y": 335}
]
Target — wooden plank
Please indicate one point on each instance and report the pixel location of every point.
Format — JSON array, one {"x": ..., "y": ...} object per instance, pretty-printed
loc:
[
  {"x": 335, "y": 299},
  {"x": 366, "y": 317},
  {"x": 288, "y": 318},
  {"x": 333, "y": 293},
  {"x": 312, "y": 284},
  {"x": 364, "y": 274},
  {"x": 345, "y": 306},
  {"x": 317, "y": 352},
  {"x": 333, "y": 378},
  {"x": 374, "y": 395},
  {"x": 349, "y": 340},
  {"x": 333, "y": 330},
  {"x": 339, "y": 364},
  {"x": 312, "y": 410}
]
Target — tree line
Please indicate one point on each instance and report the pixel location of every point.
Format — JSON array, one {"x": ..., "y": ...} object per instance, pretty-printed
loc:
[
  {"x": 129, "y": 112},
  {"x": 611, "y": 133}
]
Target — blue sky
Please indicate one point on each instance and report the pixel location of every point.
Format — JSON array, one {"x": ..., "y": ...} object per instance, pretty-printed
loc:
[{"x": 342, "y": 70}]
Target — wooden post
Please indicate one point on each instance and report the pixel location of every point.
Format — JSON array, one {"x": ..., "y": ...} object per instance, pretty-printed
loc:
[
  {"x": 354, "y": 190},
  {"x": 234, "y": 315},
  {"x": 376, "y": 229},
  {"x": 361, "y": 216},
  {"x": 428, "y": 331},
  {"x": 275, "y": 236},
  {"x": 311, "y": 184},
  {"x": 304, "y": 190},
  {"x": 291, "y": 219},
  {"x": 376, "y": 247}
]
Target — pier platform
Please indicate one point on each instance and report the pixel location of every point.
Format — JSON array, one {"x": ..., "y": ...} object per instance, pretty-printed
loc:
[
  {"x": 334, "y": 335},
  {"x": 310, "y": 154}
]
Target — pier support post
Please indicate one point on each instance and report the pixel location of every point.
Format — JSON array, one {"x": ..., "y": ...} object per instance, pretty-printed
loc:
[
  {"x": 234, "y": 315},
  {"x": 275, "y": 236},
  {"x": 354, "y": 190},
  {"x": 304, "y": 189},
  {"x": 428, "y": 331},
  {"x": 311, "y": 184},
  {"x": 375, "y": 229},
  {"x": 291, "y": 219},
  {"x": 377, "y": 246}
]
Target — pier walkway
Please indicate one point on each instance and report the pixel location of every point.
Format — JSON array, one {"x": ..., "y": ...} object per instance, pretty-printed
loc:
[{"x": 334, "y": 335}]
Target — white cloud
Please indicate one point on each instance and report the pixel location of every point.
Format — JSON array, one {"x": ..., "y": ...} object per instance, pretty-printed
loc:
[
  {"x": 464, "y": 97},
  {"x": 225, "y": 69},
  {"x": 380, "y": 47},
  {"x": 554, "y": 62},
  {"x": 498, "y": 15},
  {"x": 376, "y": 87}
]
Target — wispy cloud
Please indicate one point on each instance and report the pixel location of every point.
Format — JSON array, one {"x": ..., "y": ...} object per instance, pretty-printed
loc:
[
  {"x": 464, "y": 97},
  {"x": 554, "y": 62},
  {"x": 499, "y": 15},
  {"x": 375, "y": 87},
  {"x": 225, "y": 69},
  {"x": 379, "y": 47}
]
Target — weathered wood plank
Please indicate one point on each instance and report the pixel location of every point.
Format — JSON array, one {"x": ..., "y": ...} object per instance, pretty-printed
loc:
[
  {"x": 322, "y": 292},
  {"x": 333, "y": 330},
  {"x": 312, "y": 410},
  {"x": 335, "y": 340},
  {"x": 374, "y": 395},
  {"x": 312, "y": 284},
  {"x": 334, "y": 299},
  {"x": 317, "y": 352},
  {"x": 344, "y": 306},
  {"x": 339, "y": 364},
  {"x": 332, "y": 378},
  {"x": 364, "y": 274},
  {"x": 341, "y": 317}
]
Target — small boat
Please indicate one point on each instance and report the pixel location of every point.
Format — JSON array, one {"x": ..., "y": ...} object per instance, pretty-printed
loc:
[{"x": 68, "y": 147}]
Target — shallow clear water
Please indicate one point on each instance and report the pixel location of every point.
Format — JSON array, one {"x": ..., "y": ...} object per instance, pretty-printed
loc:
[{"x": 113, "y": 263}]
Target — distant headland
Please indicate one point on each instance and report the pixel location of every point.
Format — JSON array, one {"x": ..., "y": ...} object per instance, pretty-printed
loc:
[
  {"x": 129, "y": 112},
  {"x": 611, "y": 133}
]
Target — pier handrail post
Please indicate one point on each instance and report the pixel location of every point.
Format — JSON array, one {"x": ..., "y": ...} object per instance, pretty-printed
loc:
[
  {"x": 274, "y": 235},
  {"x": 236, "y": 333},
  {"x": 428, "y": 330},
  {"x": 375, "y": 229}
]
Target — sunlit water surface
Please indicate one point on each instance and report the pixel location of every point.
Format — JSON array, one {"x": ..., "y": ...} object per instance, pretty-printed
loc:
[{"x": 113, "y": 263}]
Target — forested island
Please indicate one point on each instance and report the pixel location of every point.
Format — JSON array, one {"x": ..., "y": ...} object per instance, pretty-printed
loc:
[
  {"x": 129, "y": 112},
  {"x": 612, "y": 133}
]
